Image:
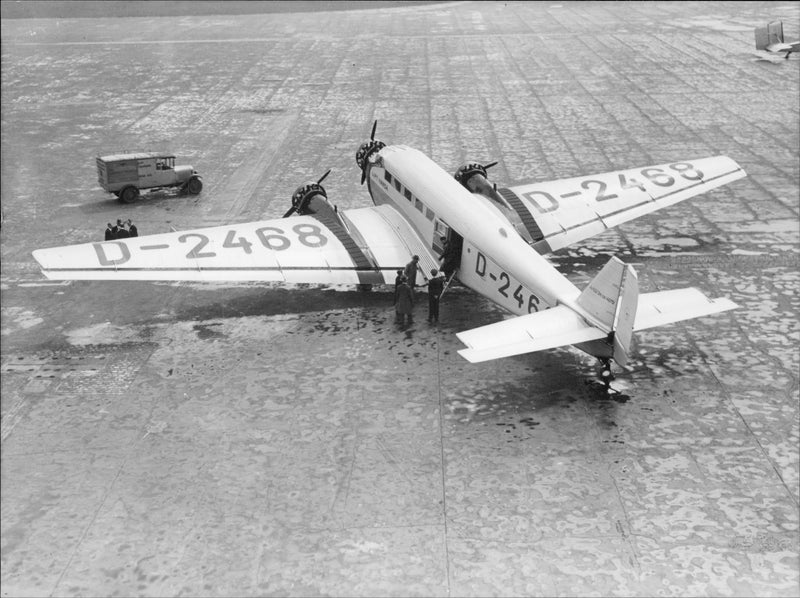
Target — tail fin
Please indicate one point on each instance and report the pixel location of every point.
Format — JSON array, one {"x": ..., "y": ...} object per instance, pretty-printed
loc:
[{"x": 611, "y": 300}]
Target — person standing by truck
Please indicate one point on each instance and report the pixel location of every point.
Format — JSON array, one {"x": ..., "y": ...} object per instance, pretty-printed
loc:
[{"x": 132, "y": 230}]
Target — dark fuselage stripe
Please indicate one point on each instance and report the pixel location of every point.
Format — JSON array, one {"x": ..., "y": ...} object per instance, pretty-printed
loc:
[{"x": 523, "y": 212}]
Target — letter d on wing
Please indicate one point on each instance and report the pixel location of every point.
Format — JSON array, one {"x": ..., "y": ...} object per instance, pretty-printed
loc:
[{"x": 100, "y": 249}]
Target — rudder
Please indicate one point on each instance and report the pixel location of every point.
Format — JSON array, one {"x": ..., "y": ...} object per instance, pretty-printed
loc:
[{"x": 610, "y": 300}]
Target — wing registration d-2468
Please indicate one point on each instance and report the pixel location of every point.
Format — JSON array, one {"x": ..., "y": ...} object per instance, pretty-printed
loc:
[
  {"x": 570, "y": 210},
  {"x": 364, "y": 247}
]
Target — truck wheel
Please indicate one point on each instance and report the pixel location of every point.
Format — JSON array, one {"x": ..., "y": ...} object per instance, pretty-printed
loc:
[
  {"x": 194, "y": 186},
  {"x": 128, "y": 194}
]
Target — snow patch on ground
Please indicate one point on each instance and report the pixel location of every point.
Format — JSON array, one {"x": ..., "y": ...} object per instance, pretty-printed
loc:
[{"x": 19, "y": 318}]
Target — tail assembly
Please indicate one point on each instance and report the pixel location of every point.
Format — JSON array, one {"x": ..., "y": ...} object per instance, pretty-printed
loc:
[
  {"x": 610, "y": 302},
  {"x": 601, "y": 321},
  {"x": 770, "y": 38}
]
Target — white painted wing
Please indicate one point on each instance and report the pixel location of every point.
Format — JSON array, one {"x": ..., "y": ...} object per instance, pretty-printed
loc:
[
  {"x": 366, "y": 247},
  {"x": 666, "y": 307},
  {"x": 547, "y": 329},
  {"x": 560, "y": 213}
]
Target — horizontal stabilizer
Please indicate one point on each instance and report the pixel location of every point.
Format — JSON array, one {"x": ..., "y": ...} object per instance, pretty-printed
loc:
[
  {"x": 666, "y": 307},
  {"x": 547, "y": 329}
]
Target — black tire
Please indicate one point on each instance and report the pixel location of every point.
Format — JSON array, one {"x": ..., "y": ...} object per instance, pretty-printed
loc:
[
  {"x": 129, "y": 194},
  {"x": 194, "y": 186}
]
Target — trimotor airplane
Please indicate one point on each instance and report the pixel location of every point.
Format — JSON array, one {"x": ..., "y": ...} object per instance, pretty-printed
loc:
[
  {"x": 496, "y": 241},
  {"x": 770, "y": 38}
]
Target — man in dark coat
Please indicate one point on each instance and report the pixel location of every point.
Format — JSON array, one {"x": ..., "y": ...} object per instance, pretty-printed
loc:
[
  {"x": 122, "y": 232},
  {"x": 132, "y": 230},
  {"x": 397, "y": 284},
  {"x": 411, "y": 271},
  {"x": 110, "y": 235},
  {"x": 405, "y": 303},
  {"x": 435, "y": 288}
]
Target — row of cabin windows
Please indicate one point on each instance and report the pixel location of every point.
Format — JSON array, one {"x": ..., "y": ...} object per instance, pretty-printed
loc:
[{"x": 401, "y": 189}]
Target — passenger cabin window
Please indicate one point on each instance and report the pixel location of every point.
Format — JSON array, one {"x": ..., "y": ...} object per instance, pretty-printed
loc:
[
  {"x": 397, "y": 185},
  {"x": 428, "y": 213},
  {"x": 387, "y": 175},
  {"x": 418, "y": 204},
  {"x": 407, "y": 193}
]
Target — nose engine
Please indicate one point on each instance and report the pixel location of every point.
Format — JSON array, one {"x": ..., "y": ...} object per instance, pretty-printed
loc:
[{"x": 366, "y": 151}]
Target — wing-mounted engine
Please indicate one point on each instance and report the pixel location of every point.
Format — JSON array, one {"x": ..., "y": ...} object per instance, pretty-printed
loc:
[
  {"x": 310, "y": 198},
  {"x": 365, "y": 153},
  {"x": 472, "y": 176}
]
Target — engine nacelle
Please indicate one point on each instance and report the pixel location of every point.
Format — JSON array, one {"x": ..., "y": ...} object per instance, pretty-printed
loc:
[
  {"x": 473, "y": 177},
  {"x": 311, "y": 198},
  {"x": 303, "y": 198}
]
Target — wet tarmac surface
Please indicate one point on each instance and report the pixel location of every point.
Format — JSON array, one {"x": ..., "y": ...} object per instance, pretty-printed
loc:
[{"x": 199, "y": 439}]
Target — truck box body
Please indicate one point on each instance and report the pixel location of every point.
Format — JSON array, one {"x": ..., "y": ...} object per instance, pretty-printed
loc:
[{"x": 118, "y": 171}]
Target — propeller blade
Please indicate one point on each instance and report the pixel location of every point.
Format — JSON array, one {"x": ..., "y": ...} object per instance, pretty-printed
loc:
[
  {"x": 363, "y": 176},
  {"x": 322, "y": 178},
  {"x": 488, "y": 166},
  {"x": 290, "y": 212},
  {"x": 374, "y": 126}
]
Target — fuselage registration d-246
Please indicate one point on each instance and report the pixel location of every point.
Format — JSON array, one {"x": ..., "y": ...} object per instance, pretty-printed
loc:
[{"x": 496, "y": 241}]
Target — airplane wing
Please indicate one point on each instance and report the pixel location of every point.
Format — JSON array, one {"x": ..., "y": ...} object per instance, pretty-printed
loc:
[
  {"x": 560, "y": 213},
  {"x": 554, "y": 327},
  {"x": 364, "y": 246},
  {"x": 781, "y": 47}
]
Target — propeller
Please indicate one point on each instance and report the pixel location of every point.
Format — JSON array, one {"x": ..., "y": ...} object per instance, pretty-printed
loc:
[
  {"x": 302, "y": 192},
  {"x": 366, "y": 150}
]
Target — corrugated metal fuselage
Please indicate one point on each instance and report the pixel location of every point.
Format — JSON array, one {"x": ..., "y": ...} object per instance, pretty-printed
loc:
[{"x": 495, "y": 261}]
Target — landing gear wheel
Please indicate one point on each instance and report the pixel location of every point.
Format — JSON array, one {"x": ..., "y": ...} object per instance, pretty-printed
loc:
[
  {"x": 606, "y": 374},
  {"x": 129, "y": 194},
  {"x": 194, "y": 186}
]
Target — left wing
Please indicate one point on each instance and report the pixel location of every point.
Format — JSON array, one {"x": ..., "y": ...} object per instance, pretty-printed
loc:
[
  {"x": 560, "y": 213},
  {"x": 366, "y": 246}
]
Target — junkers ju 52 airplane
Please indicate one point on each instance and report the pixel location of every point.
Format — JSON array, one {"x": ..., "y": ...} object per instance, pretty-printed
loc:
[{"x": 498, "y": 237}]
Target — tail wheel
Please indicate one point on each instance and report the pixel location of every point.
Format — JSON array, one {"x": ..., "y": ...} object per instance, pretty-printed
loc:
[
  {"x": 194, "y": 186},
  {"x": 129, "y": 194}
]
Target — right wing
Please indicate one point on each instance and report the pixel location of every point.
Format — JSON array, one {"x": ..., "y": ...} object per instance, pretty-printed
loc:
[
  {"x": 367, "y": 246},
  {"x": 563, "y": 212}
]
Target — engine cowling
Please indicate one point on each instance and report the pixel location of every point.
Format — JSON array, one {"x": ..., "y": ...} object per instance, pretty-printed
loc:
[
  {"x": 472, "y": 176},
  {"x": 365, "y": 152},
  {"x": 307, "y": 196}
]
